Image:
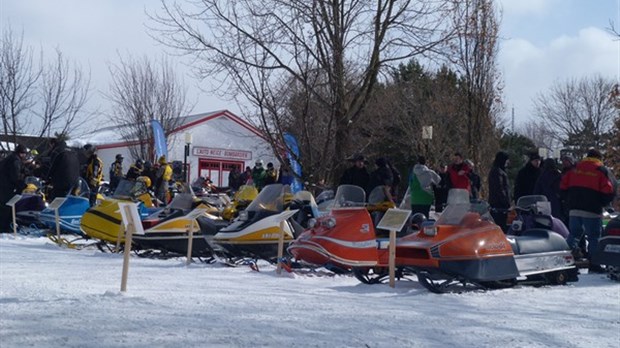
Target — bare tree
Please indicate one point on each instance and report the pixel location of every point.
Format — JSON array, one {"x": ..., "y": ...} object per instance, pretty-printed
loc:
[
  {"x": 18, "y": 83},
  {"x": 332, "y": 51},
  {"x": 536, "y": 131},
  {"x": 64, "y": 93},
  {"x": 578, "y": 113},
  {"x": 475, "y": 53},
  {"x": 141, "y": 91},
  {"x": 39, "y": 100}
]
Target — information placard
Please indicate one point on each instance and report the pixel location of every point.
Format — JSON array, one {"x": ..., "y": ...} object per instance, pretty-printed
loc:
[
  {"x": 56, "y": 203},
  {"x": 394, "y": 219},
  {"x": 13, "y": 200},
  {"x": 130, "y": 215}
]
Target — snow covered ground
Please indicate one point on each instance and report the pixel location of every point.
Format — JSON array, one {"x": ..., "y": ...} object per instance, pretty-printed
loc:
[{"x": 56, "y": 297}]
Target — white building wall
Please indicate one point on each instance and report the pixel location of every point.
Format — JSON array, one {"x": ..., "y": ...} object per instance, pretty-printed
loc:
[{"x": 218, "y": 133}]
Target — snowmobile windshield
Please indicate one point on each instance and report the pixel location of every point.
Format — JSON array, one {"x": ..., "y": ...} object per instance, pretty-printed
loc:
[
  {"x": 33, "y": 180},
  {"x": 246, "y": 193},
  {"x": 349, "y": 196},
  {"x": 405, "y": 204},
  {"x": 377, "y": 195},
  {"x": 182, "y": 201},
  {"x": 464, "y": 214},
  {"x": 123, "y": 190},
  {"x": 528, "y": 202},
  {"x": 81, "y": 189},
  {"x": 270, "y": 198}
]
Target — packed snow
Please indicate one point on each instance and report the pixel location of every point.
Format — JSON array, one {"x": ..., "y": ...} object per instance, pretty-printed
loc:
[{"x": 58, "y": 297}]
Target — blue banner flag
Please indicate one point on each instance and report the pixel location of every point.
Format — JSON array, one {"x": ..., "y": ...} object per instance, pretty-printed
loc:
[
  {"x": 159, "y": 140},
  {"x": 292, "y": 154}
]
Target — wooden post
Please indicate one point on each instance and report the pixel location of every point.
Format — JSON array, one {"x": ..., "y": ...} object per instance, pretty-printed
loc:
[
  {"x": 11, "y": 203},
  {"x": 127, "y": 251},
  {"x": 121, "y": 232},
  {"x": 57, "y": 225},
  {"x": 280, "y": 247},
  {"x": 190, "y": 241},
  {"x": 392, "y": 260},
  {"x": 14, "y": 221}
]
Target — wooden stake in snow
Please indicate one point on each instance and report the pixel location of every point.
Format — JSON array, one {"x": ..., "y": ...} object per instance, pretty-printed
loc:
[
  {"x": 393, "y": 220},
  {"x": 192, "y": 216},
  {"x": 11, "y": 203},
  {"x": 133, "y": 224},
  {"x": 282, "y": 217},
  {"x": 55, "y": 205}
]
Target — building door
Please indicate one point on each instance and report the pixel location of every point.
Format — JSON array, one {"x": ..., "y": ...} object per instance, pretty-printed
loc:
[{"x": 217, "y": 170}]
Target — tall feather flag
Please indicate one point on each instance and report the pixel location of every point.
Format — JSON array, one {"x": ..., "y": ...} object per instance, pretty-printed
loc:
[
  {"x": 292, "y": 154},
  {"x": 159, "y": 140}
]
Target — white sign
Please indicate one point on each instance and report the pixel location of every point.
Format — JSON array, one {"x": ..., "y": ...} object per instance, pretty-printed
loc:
[
  {"x": 542, "y": 152},
  {"x": 130, "y": 215},
  {"x": 394, "y": 219},
  {"x": 427, "y": 132},
  {"x": 13, "y": 200},
  {"x": 221, "y": 153},
  {"x": 56, "y": 203}
]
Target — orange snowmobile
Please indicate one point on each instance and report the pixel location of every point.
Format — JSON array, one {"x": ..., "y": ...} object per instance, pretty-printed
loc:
[
  {"x": 463, "y": 250},
  {"x": 344, "y": 238}
]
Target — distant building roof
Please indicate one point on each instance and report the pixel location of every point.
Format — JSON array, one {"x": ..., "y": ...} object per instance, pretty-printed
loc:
[{"x": 111, "y": 135}]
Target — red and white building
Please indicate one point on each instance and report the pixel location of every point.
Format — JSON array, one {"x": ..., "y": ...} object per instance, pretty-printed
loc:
[{"x": 220, "y": 141}]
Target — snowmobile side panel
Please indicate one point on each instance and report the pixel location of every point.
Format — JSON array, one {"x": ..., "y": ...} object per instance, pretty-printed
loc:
[
  {"x": 608, "y": 252},
  {"x": 489, "y": 269}
]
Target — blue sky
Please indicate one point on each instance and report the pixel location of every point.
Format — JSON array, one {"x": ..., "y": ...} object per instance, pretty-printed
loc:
[{"x": 543, "y": 41}]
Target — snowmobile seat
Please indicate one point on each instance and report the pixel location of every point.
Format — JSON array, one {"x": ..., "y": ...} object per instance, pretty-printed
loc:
[{"x": 538, "y": 240}]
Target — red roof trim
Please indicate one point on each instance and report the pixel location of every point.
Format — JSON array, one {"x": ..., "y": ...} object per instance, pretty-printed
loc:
[
  {"x": 227, "y": 114},
  {"x": 224, "y": 113}
]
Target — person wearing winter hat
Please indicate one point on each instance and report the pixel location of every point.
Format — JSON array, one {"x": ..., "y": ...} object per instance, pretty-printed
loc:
[
  {"x": 527, "y": 177},
  {"x": 588, "y": 189},
  {"x": 11, "y": 183},
  {"x": 116, "y": 171},
  {"x": 164, "y": 175},
  {"x": 357, "y": 174},
  {"x": 94, "y": 173},
  {"x": 499, "y": 190}
]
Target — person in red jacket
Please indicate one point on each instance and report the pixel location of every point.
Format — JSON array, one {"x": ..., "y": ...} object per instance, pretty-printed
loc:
[
  {"x": 588, "y": 189},
  {"x": 459, "y": 173}
]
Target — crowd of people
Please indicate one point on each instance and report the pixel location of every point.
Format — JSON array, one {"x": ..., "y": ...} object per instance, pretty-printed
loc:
[
  {"x": 577, "y": 191},
  {"x": 260, "y": 176},
  {"x": 61, "y": 167}
]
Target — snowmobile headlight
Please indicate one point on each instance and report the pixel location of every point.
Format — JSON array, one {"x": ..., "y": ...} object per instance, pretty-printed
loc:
[
  {"x": 430, "y": 231},
  {"x": 311, "y": 223},
  {"x": 243, "y": 215},
  {"x": 329, "y": 222}
]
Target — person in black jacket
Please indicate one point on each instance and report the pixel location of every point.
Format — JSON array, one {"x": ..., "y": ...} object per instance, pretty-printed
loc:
[
  {"x": 499, "y": 190},
  {"x": 64, "y": 170},
  {"x": 548, "y": 185},
  {"x": 11, "y": 183},
  {"x": 527, "y": 176},
  {"x": 382, "y": 176},
  {"x": 441, "y": 190},
  {"x": 356, "y": 174}
]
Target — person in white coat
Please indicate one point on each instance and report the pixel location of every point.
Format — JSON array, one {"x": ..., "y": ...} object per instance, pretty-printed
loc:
[{"x": 421, "y": 183}]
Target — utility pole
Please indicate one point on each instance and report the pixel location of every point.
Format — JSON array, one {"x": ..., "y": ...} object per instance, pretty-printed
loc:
[{"x": 513, "y": 120}]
